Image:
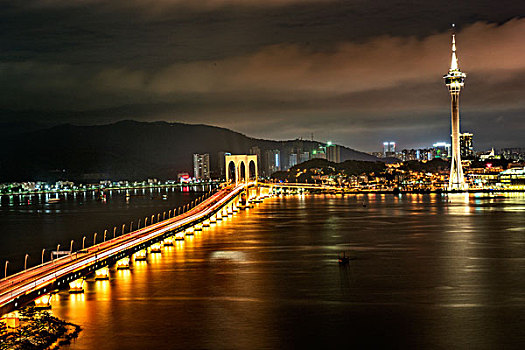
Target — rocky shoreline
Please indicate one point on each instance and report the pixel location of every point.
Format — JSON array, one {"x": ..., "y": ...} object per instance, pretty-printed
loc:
[{"x": 39, "y": 330}]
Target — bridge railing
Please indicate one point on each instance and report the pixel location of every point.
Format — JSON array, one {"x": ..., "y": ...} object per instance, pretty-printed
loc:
[{"x": 24, "y": 274}]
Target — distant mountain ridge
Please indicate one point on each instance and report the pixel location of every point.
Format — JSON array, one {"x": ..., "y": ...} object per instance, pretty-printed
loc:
[{"x": 125, "y": 150}]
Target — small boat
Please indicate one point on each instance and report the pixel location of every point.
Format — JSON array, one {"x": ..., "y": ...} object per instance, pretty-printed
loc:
[
  {"x": 343, "y": 259},
  {"x": 53, "y": 200}
]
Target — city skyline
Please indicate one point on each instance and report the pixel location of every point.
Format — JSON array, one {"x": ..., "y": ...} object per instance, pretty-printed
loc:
[
  {"x": 267, "y": 174},
  {"x": 277, "y": 70}
]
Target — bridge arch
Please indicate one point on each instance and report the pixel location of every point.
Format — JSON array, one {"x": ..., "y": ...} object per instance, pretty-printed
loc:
[
  {"x": 231, "y": 171},
  {"x": 252, "y": 170},
  {"x": 242, "y": 172},
  {"x": 241, "y": 168}
]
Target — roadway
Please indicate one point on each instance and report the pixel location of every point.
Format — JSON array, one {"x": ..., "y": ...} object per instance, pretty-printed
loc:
[{"x": 39, "y": 276}]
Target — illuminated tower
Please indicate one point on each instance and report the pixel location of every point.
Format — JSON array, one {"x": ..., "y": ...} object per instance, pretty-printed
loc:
[{"x": 455, "y": 79}]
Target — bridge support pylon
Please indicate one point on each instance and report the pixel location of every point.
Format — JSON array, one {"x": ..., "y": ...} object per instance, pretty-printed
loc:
[
  {"x": 102, "y": 273},
  {"x": 123, "y": 263},
  {"x": 43, "y": 302},
  {"x": 141, "y": 255},
  {"x": 76, "y": 286}
]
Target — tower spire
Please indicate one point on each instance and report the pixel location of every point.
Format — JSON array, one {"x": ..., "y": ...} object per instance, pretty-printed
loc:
[{"x": 454, "y": 62}]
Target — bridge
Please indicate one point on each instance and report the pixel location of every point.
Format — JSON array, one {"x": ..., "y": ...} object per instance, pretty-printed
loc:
[
  {"x": 68, "y": 270},
  {"x": 21, "y": 288}
]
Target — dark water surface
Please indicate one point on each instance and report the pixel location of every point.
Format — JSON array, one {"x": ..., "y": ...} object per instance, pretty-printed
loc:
[
  {"x": 428, "y": 271},
  {"x": 29, "y": 224}
]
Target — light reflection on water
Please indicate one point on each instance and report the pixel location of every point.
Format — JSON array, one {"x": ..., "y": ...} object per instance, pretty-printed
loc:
[
  {"x": 427, "y": 271},
  {"x": 29, "y": 227}
]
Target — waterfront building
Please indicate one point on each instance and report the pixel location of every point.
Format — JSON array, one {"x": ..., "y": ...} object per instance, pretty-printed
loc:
[
  {"x": 455, "y": 80},
  {"x": 272, "y": 161},
  {"x": 292, "y": 160},
  {"x": 255, "y": 150},
  {"x": 426, "y": 154},
  {"x": 304, "y": 157},
  {"x": 318, "y": 154},
  {"x": 221, "y": 163},
  {"x": 513, "y": 153},
  {"x": 466, "y": 148},
  {"x": 441, "y": 150},
  {"x": 183, "y": 177},
  {"x": 201, "y": 166},
  {"x": 489, "y": 155},
  {"x": 333, "y": 153},
  {"x": 513, "y": 178},
  {"x": 389, "y": 149},
  {"x": 409, "y": 154}
]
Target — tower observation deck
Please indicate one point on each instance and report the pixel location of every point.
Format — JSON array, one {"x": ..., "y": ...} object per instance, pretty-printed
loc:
[{"x": 455, "y": 80}]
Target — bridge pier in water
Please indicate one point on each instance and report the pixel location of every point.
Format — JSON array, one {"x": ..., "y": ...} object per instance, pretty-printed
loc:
[
  {"x": 77, "y": 286},
  {"x": 43, "y": 302},
  {"x": 68, "y": 272},
  {"x": 102, "y": 274},
  {"x": 123, "y": 263},
  {"x": 141, "y": 255}
]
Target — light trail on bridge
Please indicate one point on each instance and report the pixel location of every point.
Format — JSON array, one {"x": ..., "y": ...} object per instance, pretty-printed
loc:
[{"x": 37, "y": 278}]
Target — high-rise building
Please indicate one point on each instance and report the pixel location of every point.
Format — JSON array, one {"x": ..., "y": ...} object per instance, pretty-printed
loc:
[
  {"x": 221, "y": 164},
  {"x": 333, "y": 153},
  {"x": 304, "y": 157},
  {"x": 272, "y": 161},
  {"x": 257, "y": 151},
  {"x": 292, "y": 160},
  {"x": 389, "y": 149},
  {"x": 318, "y": 153},
  {"x": 465, "y": 145},
  {"x": 409, "y": 154},
  {"x": 201, "y": 166},
  {"x": 455, "y": 80},
  {"x": 442, "y": 150}
]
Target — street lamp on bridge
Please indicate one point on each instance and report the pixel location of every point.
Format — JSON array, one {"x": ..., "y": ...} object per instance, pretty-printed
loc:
[{"x": 25, "y": 261}]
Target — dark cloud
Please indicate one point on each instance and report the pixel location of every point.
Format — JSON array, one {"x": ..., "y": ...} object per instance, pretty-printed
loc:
[{"x": 356, "y": 72}]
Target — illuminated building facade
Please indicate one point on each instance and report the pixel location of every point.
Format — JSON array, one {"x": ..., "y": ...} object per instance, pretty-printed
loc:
[
  {"x": 465, "y": 145},
  {"x": 333, "y": 152},
  {"x": 201, "y": 166},
  {"x": 272, "y": 161},
  {"x": 221, "y": 164},
  {"x": 513, "y": 178},
  {"x": 441, "y": 150},
  {"x": 455, "y": 80},
  {"x": 319, "y": 153},
  {"x": 389, "y": 149}
]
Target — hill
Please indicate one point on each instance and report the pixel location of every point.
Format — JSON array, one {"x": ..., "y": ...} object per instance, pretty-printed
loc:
[{"x": 126, "y": 150}]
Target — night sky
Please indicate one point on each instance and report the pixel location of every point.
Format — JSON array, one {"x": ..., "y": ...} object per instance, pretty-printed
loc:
[{"x": 354, "y": 72}]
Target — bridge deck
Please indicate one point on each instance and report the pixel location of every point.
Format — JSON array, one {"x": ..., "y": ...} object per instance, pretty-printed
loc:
[{"x": 36, "y": 278}]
